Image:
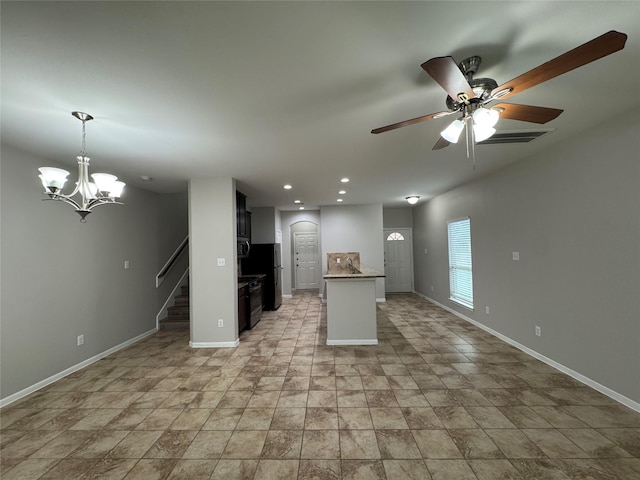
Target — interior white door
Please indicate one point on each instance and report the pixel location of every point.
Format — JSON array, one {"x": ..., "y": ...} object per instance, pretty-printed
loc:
[
  {"x": 306, "y": 258},
  {"x": 398, "y": 265}
]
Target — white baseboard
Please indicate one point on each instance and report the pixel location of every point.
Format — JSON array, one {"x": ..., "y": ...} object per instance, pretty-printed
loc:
[
  {"x": 381, "y": 300},
  {"x": 286, "y": 295},
  {"x": 359, "y": 341},
  {"x": 48, "y": 381},
  {"x": 214, "y": 344},
  {"x": 558, "y": 366}
]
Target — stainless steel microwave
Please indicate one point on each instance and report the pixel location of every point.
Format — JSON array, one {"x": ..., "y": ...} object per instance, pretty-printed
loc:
[{"x": 243, "y": 248}]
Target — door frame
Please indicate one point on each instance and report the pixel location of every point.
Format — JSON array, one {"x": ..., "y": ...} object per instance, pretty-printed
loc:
[{"x": 385, "y": 233}]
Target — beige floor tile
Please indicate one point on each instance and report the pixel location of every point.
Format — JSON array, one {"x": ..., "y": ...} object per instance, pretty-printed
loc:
[
  {"x": 436, "y": 444},
  {"x": 245, "y": 444},
  {"x": 223, "y": 419},
  {"x": 495, "y": 469},
  {"x": 359, "y": 444},
  {"x": 171, "y": 444},
  {"x": 321, "y": 419},
  {"x": 406, "y": 469},
  {"x": 207, "y": 444},
  {"x": 255, "y": 419},
  {"x": 288, "y": 418},
  {"x": 135, "y": 444},
  {"x": 235, "y": 470},
  {"x": 276, "y": 469},
  {"x": 354, "y": 418},
  {"x": 282, "y": 444},
  {"x": 363, "y": 470},
  {"x": 474, "y": 443},
  {"x": 319, "y": 470},
  {"x": 397, "y": 444},
  {"x": 151, "y": 469},
  {"x": 554, "y": 444},
  {"x": 450, "y": 470},
  {"x": 320, "y": 444},
  {"x": 70, "y": 469},
  {"x": 29, "y": 468}
]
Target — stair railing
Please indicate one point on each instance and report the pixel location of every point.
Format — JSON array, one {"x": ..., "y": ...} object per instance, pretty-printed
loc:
[{"x": 172, "y": 260}]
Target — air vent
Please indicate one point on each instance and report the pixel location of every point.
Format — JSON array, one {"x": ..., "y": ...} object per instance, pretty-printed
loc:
[{"x": 522, "y": 136}]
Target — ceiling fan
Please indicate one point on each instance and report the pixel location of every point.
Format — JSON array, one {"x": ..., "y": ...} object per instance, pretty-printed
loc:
[{"x": 471, "y": 96}]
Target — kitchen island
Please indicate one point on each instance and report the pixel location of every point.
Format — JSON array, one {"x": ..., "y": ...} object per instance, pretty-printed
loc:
[{"x": 351, "y": 306}]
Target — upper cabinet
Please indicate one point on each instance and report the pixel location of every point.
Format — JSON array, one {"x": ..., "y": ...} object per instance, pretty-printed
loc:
[{"x": 243, "y": 218}]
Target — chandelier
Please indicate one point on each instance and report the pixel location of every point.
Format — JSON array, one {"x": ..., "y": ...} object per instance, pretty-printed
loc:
[{"x": 105, "y": 188}]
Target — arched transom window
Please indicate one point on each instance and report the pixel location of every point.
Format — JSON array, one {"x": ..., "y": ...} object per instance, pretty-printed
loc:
[{"x": 395, "y": 236}]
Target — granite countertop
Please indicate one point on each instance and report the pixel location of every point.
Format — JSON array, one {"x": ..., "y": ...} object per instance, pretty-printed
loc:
[{"x": 363, "y": 272}]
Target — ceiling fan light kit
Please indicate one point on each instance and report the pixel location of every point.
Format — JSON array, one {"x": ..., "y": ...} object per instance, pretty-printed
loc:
[
  {"x": 471, "y": 97},
  {"x": 105, "y": 188}
]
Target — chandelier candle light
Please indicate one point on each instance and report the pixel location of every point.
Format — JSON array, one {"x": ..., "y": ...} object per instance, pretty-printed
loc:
[{"x": 106, "y": 189}]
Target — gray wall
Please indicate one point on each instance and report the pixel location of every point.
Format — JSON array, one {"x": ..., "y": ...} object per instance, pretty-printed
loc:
[
  {"x": 354, "y": 228},
  {"x": 61, "y": 278},
  {"x": 397, "y": 217},
  {"x": 263, "y": 225},
  {"x": 573, "y": 214}
]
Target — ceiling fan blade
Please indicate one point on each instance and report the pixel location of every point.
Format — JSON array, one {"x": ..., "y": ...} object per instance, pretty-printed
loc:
[
  {"x": 527, "y": 113},
  {"x": 413, "y": 121},
  {"x": 440, "y": 144},
  {"x": 593, "y": 50},
  {"x": 446, "y": 72}
]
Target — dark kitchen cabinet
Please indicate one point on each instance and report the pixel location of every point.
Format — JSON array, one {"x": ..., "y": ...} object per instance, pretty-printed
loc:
[
  {"x": 243, "y": 220},
  {"x": 243, "y": 308}
]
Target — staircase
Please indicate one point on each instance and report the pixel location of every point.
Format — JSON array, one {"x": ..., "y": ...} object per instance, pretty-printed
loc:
[{"x": 178, "y": 318}]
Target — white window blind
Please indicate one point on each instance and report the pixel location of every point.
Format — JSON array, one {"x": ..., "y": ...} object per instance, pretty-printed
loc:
[{"x": 460, "y": 263}]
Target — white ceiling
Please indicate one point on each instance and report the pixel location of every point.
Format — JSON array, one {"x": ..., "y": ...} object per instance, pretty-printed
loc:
[{"x": 288, "y": 92}]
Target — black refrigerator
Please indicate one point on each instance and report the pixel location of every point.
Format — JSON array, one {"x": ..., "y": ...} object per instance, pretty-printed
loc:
[{"x": 265, "y": 258}]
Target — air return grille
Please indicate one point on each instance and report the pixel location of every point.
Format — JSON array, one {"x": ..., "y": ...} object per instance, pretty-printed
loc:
[{"x": 523, "y": 136}]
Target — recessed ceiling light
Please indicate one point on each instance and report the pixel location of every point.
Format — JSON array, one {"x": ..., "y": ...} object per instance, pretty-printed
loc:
[
  {"x": 342, "y": 192},
  {"x": 145, "y": 178},
  {"x": 339, "y": 200},
  {"x": 297, "y": 201},
  {"x": 288, "y": 187},
  {"x": 344, "y": 180},
  {"x": 301, "y": 208}
]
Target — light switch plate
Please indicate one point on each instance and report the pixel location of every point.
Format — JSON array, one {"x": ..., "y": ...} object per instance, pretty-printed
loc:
[{"x": 516, "y": 256}]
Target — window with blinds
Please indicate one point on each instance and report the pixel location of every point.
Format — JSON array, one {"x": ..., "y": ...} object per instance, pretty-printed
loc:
[{"x": 460, "y": 264}]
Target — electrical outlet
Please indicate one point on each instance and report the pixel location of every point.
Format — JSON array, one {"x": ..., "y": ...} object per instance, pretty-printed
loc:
[
  {"x": 126, "y": 264},
  {"x": 220, "y": 323},
  {"x": 221, "y": 262},
  {"x": 538, "y": 331},
  {"x": 515, "y": 256},
  {"x": 426, "y": 251},
  {"x": 432, "y": 288},
  {"x": 80, "y": 340},
  {"x": 486, "y": 310}
]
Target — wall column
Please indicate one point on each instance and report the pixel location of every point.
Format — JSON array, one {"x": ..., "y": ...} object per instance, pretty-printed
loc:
[{"x": 212, "y": 236}]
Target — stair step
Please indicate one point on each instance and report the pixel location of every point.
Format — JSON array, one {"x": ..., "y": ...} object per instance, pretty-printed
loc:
[
  {"x": 181, "y": 300},
  {"x": 178, "y": 316},
  {"x": 173, "y": 324}
]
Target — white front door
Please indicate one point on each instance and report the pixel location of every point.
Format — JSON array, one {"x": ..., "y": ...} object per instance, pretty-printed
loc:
[
  {"x": 398, "y": 265},
  {"x": 306, "y": 258}
]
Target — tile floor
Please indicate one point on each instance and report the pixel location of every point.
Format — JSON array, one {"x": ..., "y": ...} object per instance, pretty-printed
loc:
[{"x": 436, "y": 399}]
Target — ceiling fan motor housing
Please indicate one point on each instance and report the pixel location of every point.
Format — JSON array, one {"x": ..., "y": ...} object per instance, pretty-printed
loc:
[{"x": 481, "y": 87}]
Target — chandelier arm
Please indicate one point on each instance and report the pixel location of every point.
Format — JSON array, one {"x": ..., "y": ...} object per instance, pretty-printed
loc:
[
  {"x": 102, "y": 201},
  {"x": 63, "y": 198}
]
